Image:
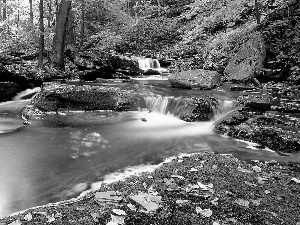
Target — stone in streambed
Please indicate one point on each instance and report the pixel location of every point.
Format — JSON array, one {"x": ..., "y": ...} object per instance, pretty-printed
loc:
[{"x": 196, "y": 79}]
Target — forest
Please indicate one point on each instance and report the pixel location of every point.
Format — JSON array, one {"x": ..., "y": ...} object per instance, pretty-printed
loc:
[{"x": 89, "y": 136}]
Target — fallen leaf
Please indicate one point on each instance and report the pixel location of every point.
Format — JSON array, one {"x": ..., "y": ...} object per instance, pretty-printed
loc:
[
  {"x": 191, "y": 187},
  {"x": 242, "y": 202},
  {"x": 147, "y": 201},
  {"x": 244, "y": 170},
  {"x": 204, "y": 212},
  {"x": 256, "y": 169},
  {"x": 205, "y": 187},
  {"x": 119, "y": 212},
  {"x": 295, "y": 180},
  {"x": 28, "y": 217}
]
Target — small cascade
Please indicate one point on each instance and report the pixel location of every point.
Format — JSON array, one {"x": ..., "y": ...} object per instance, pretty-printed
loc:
[
  {"x": 224, "y": 107},
  {"x": 175, "y": 106},
  {"x": 157, "y": 103},
  {"x": 27, "y": 94}
]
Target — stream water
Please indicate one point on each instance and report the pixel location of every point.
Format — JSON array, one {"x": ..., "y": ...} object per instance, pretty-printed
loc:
[{"x": 58, "y": 157}]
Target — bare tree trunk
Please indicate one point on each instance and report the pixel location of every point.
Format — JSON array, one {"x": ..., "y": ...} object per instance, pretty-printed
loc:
[
  {"x": 4, "y": 10},
  {"x": 70, "y": 30},
  {"x": 82, "y": 24},
  {"x": 42, "y": 30},
  {"x": 60, "y": 34},
  {"x": 257, "y": 15},
  {"x": 30, "y": 12}
]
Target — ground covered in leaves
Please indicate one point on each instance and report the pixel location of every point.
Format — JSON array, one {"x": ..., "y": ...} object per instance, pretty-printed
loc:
[{"x": 198, "y": 189}]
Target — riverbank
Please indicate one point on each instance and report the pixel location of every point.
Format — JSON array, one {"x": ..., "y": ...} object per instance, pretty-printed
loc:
[{"x": 203, "y": 188}]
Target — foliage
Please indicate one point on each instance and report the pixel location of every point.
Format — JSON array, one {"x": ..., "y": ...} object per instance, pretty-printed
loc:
[{"x": 150, "y": 34}]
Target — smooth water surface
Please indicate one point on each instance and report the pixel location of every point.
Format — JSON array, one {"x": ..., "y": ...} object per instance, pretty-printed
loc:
[{"x": 55, "y": 158}]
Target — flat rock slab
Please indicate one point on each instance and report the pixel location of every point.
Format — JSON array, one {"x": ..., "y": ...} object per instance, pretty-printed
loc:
[{"x": 10, "y": 124}]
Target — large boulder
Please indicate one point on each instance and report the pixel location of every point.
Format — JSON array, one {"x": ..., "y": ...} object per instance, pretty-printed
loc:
[
  {"x": 198, "y": 79},
  {"x": 249, "y": 59}
]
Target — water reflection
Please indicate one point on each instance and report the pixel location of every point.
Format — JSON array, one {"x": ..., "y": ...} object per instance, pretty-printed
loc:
[{"x": 89, "y": 144}]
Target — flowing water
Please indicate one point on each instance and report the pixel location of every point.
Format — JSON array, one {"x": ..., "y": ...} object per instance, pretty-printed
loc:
[{"x": 58, "y": 157}]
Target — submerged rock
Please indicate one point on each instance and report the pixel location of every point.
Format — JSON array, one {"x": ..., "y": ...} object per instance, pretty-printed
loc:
[{"x": 198, "y": 79}]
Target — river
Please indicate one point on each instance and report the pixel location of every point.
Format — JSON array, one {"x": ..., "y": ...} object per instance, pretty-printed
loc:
[{"x": 58, "y": 157}]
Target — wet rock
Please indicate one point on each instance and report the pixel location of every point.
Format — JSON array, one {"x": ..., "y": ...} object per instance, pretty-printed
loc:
[
  {"x": 198, "y": 79},
  {"x": 255, "y": 102},
  {"x": 247, "y": 60},
  {"x": 151, "y": 72},
  {"x": 57, "y": 96}
]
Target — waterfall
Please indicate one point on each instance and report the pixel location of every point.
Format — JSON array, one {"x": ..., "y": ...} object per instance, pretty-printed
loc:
[{"x": 148, "y": 63}]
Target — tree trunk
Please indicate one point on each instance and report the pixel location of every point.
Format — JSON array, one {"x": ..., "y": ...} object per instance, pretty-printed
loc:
[
  {"x": 42, "y": 30},
  {"x": 71, "y": 30},
  {"x": 30, "y": 12},
  {"x": 257, "y": 15},
  {"x": 4, "y": 10},
  {"x": 82, "y": 24},
  {"x": 50, "y": 13},
  {"x": 60, "y": 35}
]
